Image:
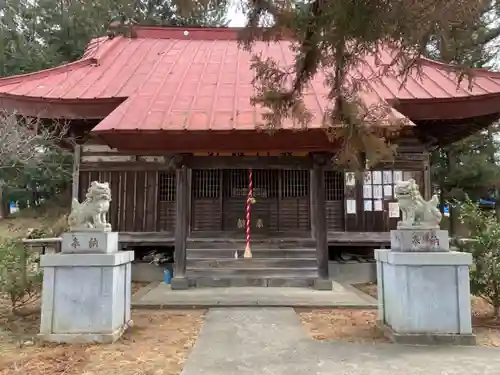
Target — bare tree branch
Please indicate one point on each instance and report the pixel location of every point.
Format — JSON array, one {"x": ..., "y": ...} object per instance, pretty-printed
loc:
[{"x": 24, "y": 140}]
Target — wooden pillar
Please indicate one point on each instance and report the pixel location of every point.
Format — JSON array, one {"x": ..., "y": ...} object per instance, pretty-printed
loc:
[
  {"x": 76, "y": 172},
  {"x": 360, "y": 206},
  {"x": 312, "y": 203},
  {"x": 181, "y": 228},
  {"x": 319, "y": 212},
  {"x": 427, "y": 177}
]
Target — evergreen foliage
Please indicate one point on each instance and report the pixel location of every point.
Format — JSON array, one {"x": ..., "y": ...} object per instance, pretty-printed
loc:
[
  {"x": 484, "y": 244},
  {"x": 39, "y": 34},
  {"x": 336, "y": 36}
]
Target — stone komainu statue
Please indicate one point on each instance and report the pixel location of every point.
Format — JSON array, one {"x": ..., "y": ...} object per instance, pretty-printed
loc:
[
  {"x": 91, "y": 213},
  {"x": 417, "y": 212}
]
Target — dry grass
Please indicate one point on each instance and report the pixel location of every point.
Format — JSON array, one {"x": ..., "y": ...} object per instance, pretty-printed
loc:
[
  {"x": 157, "y": 344},
  {"x": 26, "y": 322},
  {"x": 51, "y": 217},
  {"x": 368, "y": 288},
  {"x": 136, "y": 286},
  {"x": 18, "y": 226},
  {"x": 485, "y": 326},
  {"x": 347, "y": 325}
]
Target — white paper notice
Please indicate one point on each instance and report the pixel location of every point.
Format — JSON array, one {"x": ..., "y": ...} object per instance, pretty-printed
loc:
[
  {"x": 377, "y": 205},
  {"x": 393, "y": 209},
  {"x": 377, "y": 192},
  {"x": 368, "y": 205},
  {"x": 388, "y": 191},
  {"x": 387, "y": 177},
  {"x": 398, "y": 176},
  {"x": 351, "y": 206},
  {"x": 350, "y": 179},
  {"x": 368, "y": 177},
  {"x": 377, "y": 177},
  {"x": 367, "y": 191}
]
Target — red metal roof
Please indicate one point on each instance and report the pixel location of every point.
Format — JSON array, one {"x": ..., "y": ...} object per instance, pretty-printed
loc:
[{"x": 165, "y": 79}]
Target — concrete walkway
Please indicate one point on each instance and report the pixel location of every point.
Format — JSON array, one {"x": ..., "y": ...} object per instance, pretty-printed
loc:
[
  {"x": 160, "y": 295},
  {"x": 264, "y": 341}
]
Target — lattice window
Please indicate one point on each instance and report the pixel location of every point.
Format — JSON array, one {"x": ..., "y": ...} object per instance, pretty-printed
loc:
[
  {"x": 334, "y": 186},
  {"x": 295, "y": 183},
  {"x": 166, "y": 187},
  {"x": 265, "y": 183},
  {"x": 206, "y": 183},
  {"x": 235, "y": 183}
]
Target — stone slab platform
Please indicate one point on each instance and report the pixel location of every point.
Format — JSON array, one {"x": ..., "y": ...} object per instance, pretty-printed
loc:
[
  {"x": 160, "y": 295},
  {"x": 269, "y": 341}
]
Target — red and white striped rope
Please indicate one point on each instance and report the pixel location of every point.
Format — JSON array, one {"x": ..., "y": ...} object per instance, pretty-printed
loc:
[{"x": 249, "y": 203}]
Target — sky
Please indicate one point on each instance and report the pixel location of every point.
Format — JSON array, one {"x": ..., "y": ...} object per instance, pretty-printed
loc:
[{"x": 236, "y": 17}]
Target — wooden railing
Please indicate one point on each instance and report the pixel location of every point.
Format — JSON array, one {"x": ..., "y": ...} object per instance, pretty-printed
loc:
[{"x": 43, "y": 245}]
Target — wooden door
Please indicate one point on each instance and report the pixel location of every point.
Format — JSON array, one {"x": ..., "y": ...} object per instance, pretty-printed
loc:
[{"x": 263, "y": 218}]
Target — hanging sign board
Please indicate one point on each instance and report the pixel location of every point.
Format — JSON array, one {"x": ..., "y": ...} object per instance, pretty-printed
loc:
[
  {"x": 351, "y": 206},
  {"x": 393, "y": 209},
  {"x": 350, "y": 179}
]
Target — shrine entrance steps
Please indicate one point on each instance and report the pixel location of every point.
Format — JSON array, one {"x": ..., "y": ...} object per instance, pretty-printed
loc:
[{"x": 278, "y": 262}]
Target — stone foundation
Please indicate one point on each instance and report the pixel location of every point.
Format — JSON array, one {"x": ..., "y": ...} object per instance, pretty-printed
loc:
[
  {"x": 86, "y": 297},
  {"x": 425, "y": 295}
]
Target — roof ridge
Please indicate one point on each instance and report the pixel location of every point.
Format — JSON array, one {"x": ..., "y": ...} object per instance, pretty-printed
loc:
[
  {"x": 187, "y": 32},
  {"x": 101, "y": 46},
  {"x": 95, "y": 51},
  {"x": 47, "y": 72}
]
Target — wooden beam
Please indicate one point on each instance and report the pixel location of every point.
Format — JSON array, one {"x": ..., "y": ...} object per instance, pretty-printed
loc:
[
  {"x": 182, "y": 201},
  {"x": 76, "y": 171},
  {"x": 319, "y": 212},
  {"x": 123, "y": 166},
  {"x": 257, "y": 162}
]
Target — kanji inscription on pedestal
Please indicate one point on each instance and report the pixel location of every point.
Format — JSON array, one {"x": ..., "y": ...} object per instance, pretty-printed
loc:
[{"x": 93, "y": 243}]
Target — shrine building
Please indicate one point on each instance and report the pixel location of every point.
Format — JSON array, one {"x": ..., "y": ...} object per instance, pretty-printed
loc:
[{"x": 165, "y": 117}]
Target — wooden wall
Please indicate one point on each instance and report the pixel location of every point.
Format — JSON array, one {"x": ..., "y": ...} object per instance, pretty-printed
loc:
[
  {"x": 412, "y": 161},
  {"x": 141, "y": 189},
  {"x": 143, "y": 192}
]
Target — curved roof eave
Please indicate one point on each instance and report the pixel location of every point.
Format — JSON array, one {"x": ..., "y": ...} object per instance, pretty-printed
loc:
[
  {"x": 73, "y": 109},
  {"x": 448, "y": 108},
  {"x": 11, "y": 80}
]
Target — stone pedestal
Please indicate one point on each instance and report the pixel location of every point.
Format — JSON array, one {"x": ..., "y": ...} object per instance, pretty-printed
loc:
[
  {"x": 420, "y": 239},
  {"x": 89, "y": 241},
  {"x": 424, "y": 297},
  {"x": 86, "y": 294}
]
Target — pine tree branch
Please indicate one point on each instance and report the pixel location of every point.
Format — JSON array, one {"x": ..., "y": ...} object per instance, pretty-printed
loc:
[{"x": 489, "y": 36}]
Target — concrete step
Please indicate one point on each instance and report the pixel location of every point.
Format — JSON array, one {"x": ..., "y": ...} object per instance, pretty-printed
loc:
[
  {"x": 273, "y": 243},
  {"x": 289, "y": 253},
  {"x": 268, "y": 272},
  {"x": 298, "y": 263},
  {"x": 245, "y": 281}
]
